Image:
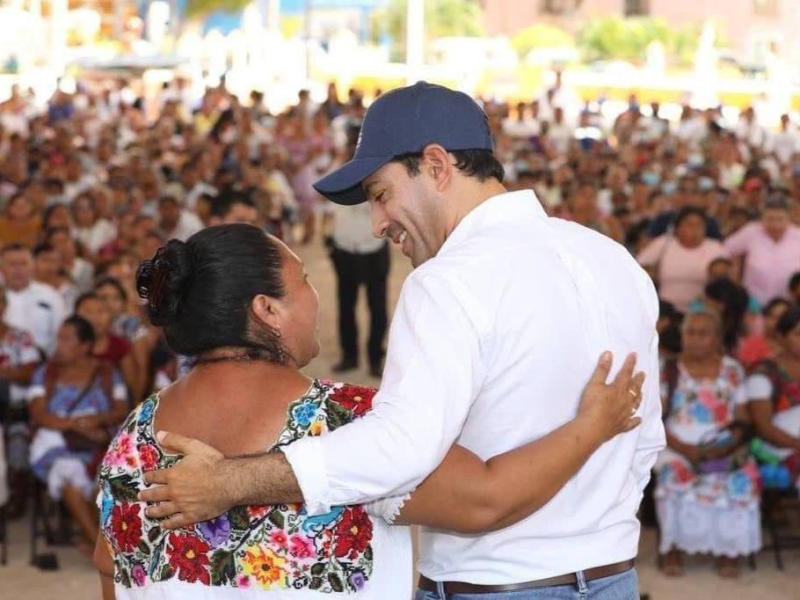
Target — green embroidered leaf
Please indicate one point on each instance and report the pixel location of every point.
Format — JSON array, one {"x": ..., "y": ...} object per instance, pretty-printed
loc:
[
  {"x": 338, "y": 415},
  {"x": 276, "y": 518},
  {"x": 223, "y": 568},
  {"x": 368, "y": 554},
  {"x": 144, "y": 548},
  {"x": 124, "y": 578},
  {"x": 131, "y": 427},
  {"x": 316, "y": 583},
  {"x": 154, "y": 534},
  {"x": 123, "y": 488},
  {"x": 239, "y": 518},
  {"x": 336, "y": 582},
  {"x": 317, "y": 569},
  {"x": 166, "y": 573}
]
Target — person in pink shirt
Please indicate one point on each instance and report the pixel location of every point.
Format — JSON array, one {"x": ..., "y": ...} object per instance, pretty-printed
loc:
[
  {"x": 768, "y": 251},
  {"x": 678, "y": 260}
]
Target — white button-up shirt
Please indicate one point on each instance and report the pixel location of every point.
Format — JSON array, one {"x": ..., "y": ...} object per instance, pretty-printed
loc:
[
  {"x": 491, "y": 345},
  {"x": 38, "y": 309}
]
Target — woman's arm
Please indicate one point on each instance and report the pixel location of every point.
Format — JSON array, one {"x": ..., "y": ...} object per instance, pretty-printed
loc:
[
  {"x": 42, "y": 416},
  {"x": 690, "y": 452},
  {"x": 105, "y": 565},
  {"x": 117, "y": 414},
  {"x": 467, "y": 495},
  {"x": 761, "y": 413}
]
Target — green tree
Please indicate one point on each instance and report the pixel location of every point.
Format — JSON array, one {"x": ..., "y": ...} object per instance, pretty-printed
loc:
[
  {"x": 197, "y": 9},
  {"x": 443, "y": 18},
  {"x": 617, "y": 38},
  {"x": 540, "y": 36}
]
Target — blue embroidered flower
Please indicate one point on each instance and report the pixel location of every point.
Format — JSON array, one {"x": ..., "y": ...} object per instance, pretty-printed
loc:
[
  {"x": 700, "y": 413},
  {"x": 106, "y": 506},
  {"x": 147, "y": 411},
  {"x": 304, "y": 413},
  {"x": 216, "y": 531},
  {"x": 739, "y": 485}
]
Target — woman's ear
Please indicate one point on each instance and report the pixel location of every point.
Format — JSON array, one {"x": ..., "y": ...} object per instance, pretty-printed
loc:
[{"x": 269, "y": 311}]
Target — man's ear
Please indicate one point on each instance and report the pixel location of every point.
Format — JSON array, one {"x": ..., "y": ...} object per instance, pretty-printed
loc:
[{"x": 439, "y": 165}]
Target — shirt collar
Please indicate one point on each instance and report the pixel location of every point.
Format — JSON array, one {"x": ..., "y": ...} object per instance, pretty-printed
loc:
[{"x": 497, "y": 209}]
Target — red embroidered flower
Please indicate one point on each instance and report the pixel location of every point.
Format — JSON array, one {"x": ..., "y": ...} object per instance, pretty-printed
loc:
[
  {"x": 353, "y": 534},
  {"x": 149, "y": 457},
  {"x": 127, "y": 526},
  {"x": 188, "y": 557},
  {"x": 259, "y": 511},
  {"x": 355, "y": 398}
]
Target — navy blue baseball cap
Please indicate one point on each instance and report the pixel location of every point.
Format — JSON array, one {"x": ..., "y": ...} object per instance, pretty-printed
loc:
[{"x": 404, "y": 121}]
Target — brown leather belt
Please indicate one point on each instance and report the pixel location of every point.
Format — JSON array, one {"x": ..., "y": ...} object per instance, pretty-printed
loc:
[{"x": 457, "y": 587}]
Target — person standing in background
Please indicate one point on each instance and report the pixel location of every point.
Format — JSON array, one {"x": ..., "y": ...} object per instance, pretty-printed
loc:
[{"x": 359, "y": 259}]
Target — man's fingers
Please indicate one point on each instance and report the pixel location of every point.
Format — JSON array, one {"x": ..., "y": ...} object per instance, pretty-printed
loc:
[
  {"x": 623, "y": 379},
  {"x": 175, "y": 522},
  {"x": 156, "y": 477},
  {"x": 180, "y": 444},
  {"x": 602, "y": 369},
  {"x": 162, "y": 509},
  {"x": 156, "y": 494}
]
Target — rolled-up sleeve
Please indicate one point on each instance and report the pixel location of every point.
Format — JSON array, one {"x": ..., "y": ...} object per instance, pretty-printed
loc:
[{"x": 434, "y": 370}]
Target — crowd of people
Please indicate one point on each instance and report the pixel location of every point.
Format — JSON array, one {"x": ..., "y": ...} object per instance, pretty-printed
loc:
[{"x": 95, "y": 182}]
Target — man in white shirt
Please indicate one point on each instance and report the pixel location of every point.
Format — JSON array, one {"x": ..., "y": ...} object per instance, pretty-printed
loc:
[
  {"x": 32, "y": 306},
  {"x": 494, "y": 335},
  {"x": 359, "y": 258},
  {"x": 176, "y": 223}
]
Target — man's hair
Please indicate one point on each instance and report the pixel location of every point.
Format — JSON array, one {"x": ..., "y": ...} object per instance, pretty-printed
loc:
[
  {"x": 43, "y": 248},
  {"x": 14, "y": 248},
  {"x": 479, "y": 163},
  {"x": 794, "y": 281}
]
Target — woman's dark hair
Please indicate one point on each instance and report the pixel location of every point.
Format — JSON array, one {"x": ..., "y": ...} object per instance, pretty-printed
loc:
[
  {"x": 735, "y": 301},
  {"x": 688, "y": 211},
  {"x": 83, "y": 329},
  {"x": 789, "y": 320},
  {"x": 105, "y": 281},
  {"x": 481, "y": 164},
  {"x": 201, "y": 291},
  {"x": 85, "y": 298},
  {"x": 774, "y": 303},
  {"x": 48, "y": 214}
]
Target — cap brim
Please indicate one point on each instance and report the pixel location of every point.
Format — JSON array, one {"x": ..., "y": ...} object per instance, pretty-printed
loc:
[{"x": 343, "y": 186}]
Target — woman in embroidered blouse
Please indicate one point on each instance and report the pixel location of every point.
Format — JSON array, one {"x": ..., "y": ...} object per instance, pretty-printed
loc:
[
  {"x": 249, "y": 335},
  {"x": 73, "y": 395},
  {"x": 707, "y": 494},
  {"x": 774, "y": 391}
]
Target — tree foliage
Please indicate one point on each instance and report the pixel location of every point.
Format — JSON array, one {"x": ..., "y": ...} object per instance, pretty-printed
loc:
[
  {"x": 443, "y": 18},
  {"x": 617, "y": 38},
  {"x": 197, "y": 9},
  {"x": 540, "y": 36}
]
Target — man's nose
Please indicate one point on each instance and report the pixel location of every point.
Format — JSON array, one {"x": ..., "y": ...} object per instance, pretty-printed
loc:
[{"x": 379, "y": 223}]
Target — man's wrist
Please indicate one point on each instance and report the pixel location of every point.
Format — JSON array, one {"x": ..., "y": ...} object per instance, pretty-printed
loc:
[{"x": 588, "y": 431}]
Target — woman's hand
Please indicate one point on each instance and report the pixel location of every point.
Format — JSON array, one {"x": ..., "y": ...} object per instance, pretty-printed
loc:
[{"x": 610, "y": 409}]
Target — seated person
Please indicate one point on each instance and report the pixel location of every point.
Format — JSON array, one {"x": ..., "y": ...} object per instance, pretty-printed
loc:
[
  {"x": 707, "y": 492},
  {"x": 75, "y": 399}
]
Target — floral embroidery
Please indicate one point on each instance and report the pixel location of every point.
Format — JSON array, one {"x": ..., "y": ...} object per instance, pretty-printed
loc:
[
  {"x": 189, "y": 558},
  {"x": 127, "y": 526},
  {"x": 269, "y": 547},
  {"x": 266, "y": 568},
  {"x": 709, "y": 403}
]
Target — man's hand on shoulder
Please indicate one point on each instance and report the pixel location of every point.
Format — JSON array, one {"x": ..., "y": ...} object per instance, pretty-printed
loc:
[{"x": 194, "y": 490}]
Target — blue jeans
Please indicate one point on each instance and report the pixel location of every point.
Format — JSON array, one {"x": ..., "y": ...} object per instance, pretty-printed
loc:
[{"x": 624, "y": 586}]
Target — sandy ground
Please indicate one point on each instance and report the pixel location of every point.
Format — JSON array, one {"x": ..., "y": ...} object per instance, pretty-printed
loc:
[{"x": 77, "y": 580}]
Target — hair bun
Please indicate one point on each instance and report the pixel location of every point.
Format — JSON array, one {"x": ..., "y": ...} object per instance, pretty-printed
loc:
[{"x": 163, "y": 279}]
